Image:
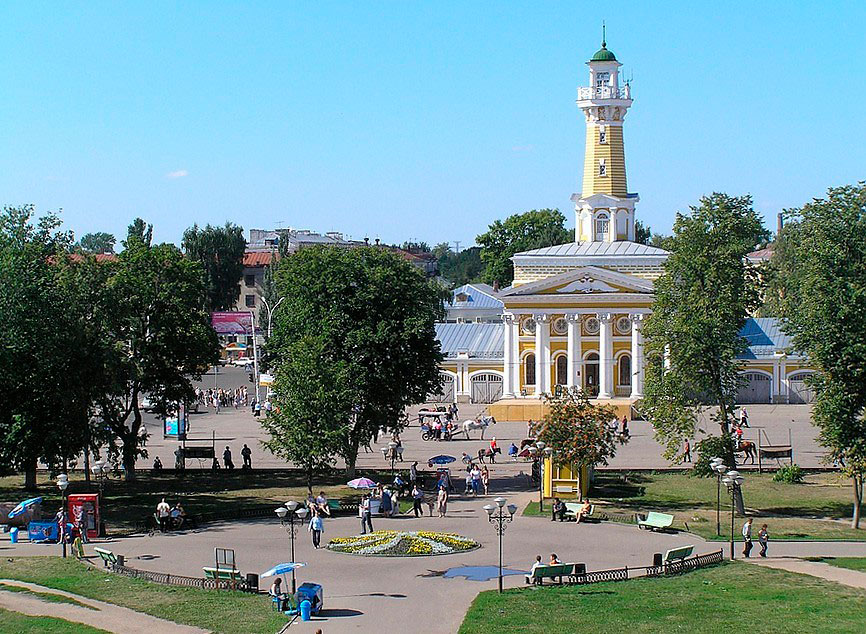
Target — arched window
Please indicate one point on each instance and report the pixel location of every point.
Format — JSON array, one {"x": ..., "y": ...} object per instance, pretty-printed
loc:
[
  {"x": 562, "y": 370},
  {"x": 625, "y": 370},
  {"x": 602, "y": 223},
  {"x": 529, "y": 369}
]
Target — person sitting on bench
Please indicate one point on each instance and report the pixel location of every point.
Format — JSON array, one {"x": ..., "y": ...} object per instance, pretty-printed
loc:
[
  {"x": 558, "y": 511},
  {"x": 554, "y": 560},
  {"x": 584, "y": 510},
  {"x": 535, "y": 566},
  {"x": 277, "y": 593}
]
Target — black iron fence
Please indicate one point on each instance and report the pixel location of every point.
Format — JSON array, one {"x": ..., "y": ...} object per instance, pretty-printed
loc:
[{"x": 165, "y": 578}]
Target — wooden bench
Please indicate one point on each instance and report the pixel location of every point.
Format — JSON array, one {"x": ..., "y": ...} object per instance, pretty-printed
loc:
[
  {"x": 572, "y": 509},
  {"x": 677, "y": 554},
  {"x": 557, "y": 571},
  {"x": 655, "y": 521},
  {"x": 108, "y": 558},
  {"x": 334, "y": 506},
  {"x": 222, "y": 574}
]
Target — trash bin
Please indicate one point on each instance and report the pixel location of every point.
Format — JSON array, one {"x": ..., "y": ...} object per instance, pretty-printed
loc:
[
  {"x": 657, "y": 559},
  {"x": 13, "y": 536},
  {"x": 306, "y": 606},
  {"x": 253, "y": 581}
]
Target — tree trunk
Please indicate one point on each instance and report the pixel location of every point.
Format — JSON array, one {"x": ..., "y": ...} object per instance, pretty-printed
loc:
[
  {"x": 129, "y": 460},
  {"x": 858, "y": 500},
  {"x": 30, "y": 475},
  {"x": 351, "y": 458},
  {"x": 310, "y": 479}
]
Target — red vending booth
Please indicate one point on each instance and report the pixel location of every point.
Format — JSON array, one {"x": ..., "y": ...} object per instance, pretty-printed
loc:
[{"x": 84, "y": 512}]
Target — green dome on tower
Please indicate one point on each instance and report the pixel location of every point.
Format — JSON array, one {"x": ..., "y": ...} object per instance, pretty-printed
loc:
[{"x": 603, "y": 55}]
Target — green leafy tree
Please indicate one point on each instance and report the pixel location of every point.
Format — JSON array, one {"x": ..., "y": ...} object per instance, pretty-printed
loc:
[
  {"x": 99, "y": 242},
  {"x": 521, "y": 232},
  {"x": 461, "y": 268},
  {"x": 311, "y": 417},
  {"x": 371, "y": 316},
  {"x": 415, "y": 247},
  {"x": 40, "y": 355},
  {"x": 701, "y": 303},
  {"x": 818, "y": 279},
  {"x": 578, "y": 431},
  {"x": 139, "y": 230},
  {"x": 220, "y": 250},
  {"x": 661, "y": 241},
  {"x": 642, "y": 233},
  {"x": 154, "y": 337}
]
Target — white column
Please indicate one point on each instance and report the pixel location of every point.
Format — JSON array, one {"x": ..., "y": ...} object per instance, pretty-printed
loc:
[
  {"x": 605, "y": 360},
  {"x": 780, "y": 384},
  {"x": 542, "y": 354},
  {"x": 508, "y": 360},
  {"x": 515, "y": 354},
  {"x": 784, "y": 389},
  {"x": 637, "y": 356},
  {"x": 575, "y": 354}
]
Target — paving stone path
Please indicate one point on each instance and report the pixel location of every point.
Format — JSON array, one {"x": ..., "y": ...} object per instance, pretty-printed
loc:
[
  {"x": 852, "y": 578},
  {"x": 105, "y": 616}
]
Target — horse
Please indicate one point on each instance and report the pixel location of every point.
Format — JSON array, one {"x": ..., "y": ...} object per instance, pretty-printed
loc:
[
  {"x": 748, "y": 449},
  {"x": 526, "y": 442},
  {"x": 482, "y": 424}
]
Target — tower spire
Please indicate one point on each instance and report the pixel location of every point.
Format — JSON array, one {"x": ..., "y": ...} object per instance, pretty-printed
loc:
[{"x": 603, "y": 35}]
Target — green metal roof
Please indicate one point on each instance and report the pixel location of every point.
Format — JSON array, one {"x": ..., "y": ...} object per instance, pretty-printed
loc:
[{"x": 603, "y": 55}]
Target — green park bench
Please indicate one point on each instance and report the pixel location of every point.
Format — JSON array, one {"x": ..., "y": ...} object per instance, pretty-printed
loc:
[
  {"x": 557, "y": 571},
  {"x": 334, "y": 506},
  {"x": 675, "y": 554},
  {"x": 108, "y": 558},
  {"x": 573, "y": 508},
  {"x": 654, "y": 521},
  {"x": 222, "y": 574}
]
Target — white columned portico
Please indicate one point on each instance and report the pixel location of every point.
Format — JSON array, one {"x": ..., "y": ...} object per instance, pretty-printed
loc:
[
  {"x": 542, "y": 353},
  {"x": 605, "y": 360},
  {"x": 575, "y": 354},
  {"x": 508, "y": 366},
  {"x": 637, "y": 360}
]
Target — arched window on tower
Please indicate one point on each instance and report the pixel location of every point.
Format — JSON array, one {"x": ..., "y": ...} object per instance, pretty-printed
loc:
[
  {"x": 529, "y": 369},
  {"x": 602, "y": 224}
]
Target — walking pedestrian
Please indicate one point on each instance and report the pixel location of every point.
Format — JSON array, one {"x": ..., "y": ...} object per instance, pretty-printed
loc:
[
  {"x": 763, "y": 539},
  {"x": 413, "y": 473},
  {"x": 317, "y": 527},
  {"x": 247, "y": 455},
  {"x": 476, "y": 479},
  {"x": 442, "y": 502},
  {"x": 417, "y": 498},
  {"x": 485, "y": 479},
  {"x": 365, "y": 515},
  {"x": 744, "y": 418},
  {"x": 687, "y": 451},
  {"x": 163, "y": 510},
  {"x": 747, "y": 538},
  {"x": 227, "y": 458}
]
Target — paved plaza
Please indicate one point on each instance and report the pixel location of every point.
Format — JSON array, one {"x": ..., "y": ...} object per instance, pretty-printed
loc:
[{"x": 235, "y": 427}]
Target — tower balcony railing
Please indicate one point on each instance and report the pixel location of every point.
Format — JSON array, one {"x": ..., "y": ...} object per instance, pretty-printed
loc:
[{"x": 604, "y": 92}]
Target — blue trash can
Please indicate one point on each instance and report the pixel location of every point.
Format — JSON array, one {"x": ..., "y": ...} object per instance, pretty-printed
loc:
[
  {"x": 306, "y": 606},
  {"x": 13, "y": 536}
]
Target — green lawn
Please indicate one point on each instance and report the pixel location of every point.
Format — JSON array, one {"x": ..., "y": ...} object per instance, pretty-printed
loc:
[
  {"x": 820, "y": 508},
  {"x": 726, "y": 598},
  {"x": 852, "y": 563},
  {"x": 15, "y": 623},
  {"x": 44, "y": 596},
  {"x": 200, "y": 491},
  {"x": 218, "y": 611}
]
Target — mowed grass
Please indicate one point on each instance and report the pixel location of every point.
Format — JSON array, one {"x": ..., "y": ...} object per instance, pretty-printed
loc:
[
  {"x": 726, "y": 598},
  {"x": 217, "y": 611},
  {"x": 15, "y": 623},
  {"x": 851, "y": 563},
  {"x": 818, "y": 509},
  {"x": 128, "y": 504},
  {"x": 44, "y": 596}
]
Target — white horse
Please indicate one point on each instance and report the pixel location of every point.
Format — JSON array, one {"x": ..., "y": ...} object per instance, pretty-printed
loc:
[{"x": 482, "y": 424}]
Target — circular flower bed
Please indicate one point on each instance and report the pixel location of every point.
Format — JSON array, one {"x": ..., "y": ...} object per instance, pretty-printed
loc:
[{"x": 403, "y": 544}]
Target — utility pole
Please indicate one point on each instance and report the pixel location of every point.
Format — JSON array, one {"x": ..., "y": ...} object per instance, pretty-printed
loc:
[{"x": 457, "y": 246}]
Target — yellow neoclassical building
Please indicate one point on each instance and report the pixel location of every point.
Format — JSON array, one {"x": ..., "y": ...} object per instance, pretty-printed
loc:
[{"x": 574, "y": 313}]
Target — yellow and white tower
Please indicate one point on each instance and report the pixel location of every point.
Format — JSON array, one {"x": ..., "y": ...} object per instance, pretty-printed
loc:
[{"x": 604, "y": 209}]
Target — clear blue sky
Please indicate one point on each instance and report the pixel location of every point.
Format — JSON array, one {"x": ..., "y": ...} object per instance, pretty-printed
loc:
[{"x": 414, "y": 120}]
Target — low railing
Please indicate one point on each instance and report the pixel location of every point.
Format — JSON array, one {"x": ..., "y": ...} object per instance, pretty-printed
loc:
[
  {"x": 604, "y": 92},
  {"x": 685, "y": 565},
  {"x": 180, "y": 580}
]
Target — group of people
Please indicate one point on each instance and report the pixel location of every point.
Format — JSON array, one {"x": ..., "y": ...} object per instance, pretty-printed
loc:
[
  {"x": 476, "y": 479},
  {"x": 558, "y": 510},
  {"x": 171, "y": 518},
  {"x": 228, "y": 463},
  {"x": 763, "y": 538},
  {"x": 219, "y": 398},
  {"x": 445, "y": 430}
]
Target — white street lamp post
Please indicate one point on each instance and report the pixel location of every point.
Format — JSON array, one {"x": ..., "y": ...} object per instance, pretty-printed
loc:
[
  {"x": 63, "y": 484},
  {"x": 499, "y": 520},
  {"x": 287, "y": 514}
]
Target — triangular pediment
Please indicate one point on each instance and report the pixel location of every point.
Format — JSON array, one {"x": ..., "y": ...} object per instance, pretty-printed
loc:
[{"x": 583, "y": 281}]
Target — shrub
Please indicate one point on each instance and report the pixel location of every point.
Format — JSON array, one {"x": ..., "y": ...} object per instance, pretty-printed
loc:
[
  {"x": 792, "y": 474},
  {"x": 709, "y": 448}
]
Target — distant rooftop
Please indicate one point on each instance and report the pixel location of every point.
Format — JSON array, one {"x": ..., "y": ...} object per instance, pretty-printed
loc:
[
  {"x": 579, "y": 249},
  {"x": 475, "y": 295}
]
